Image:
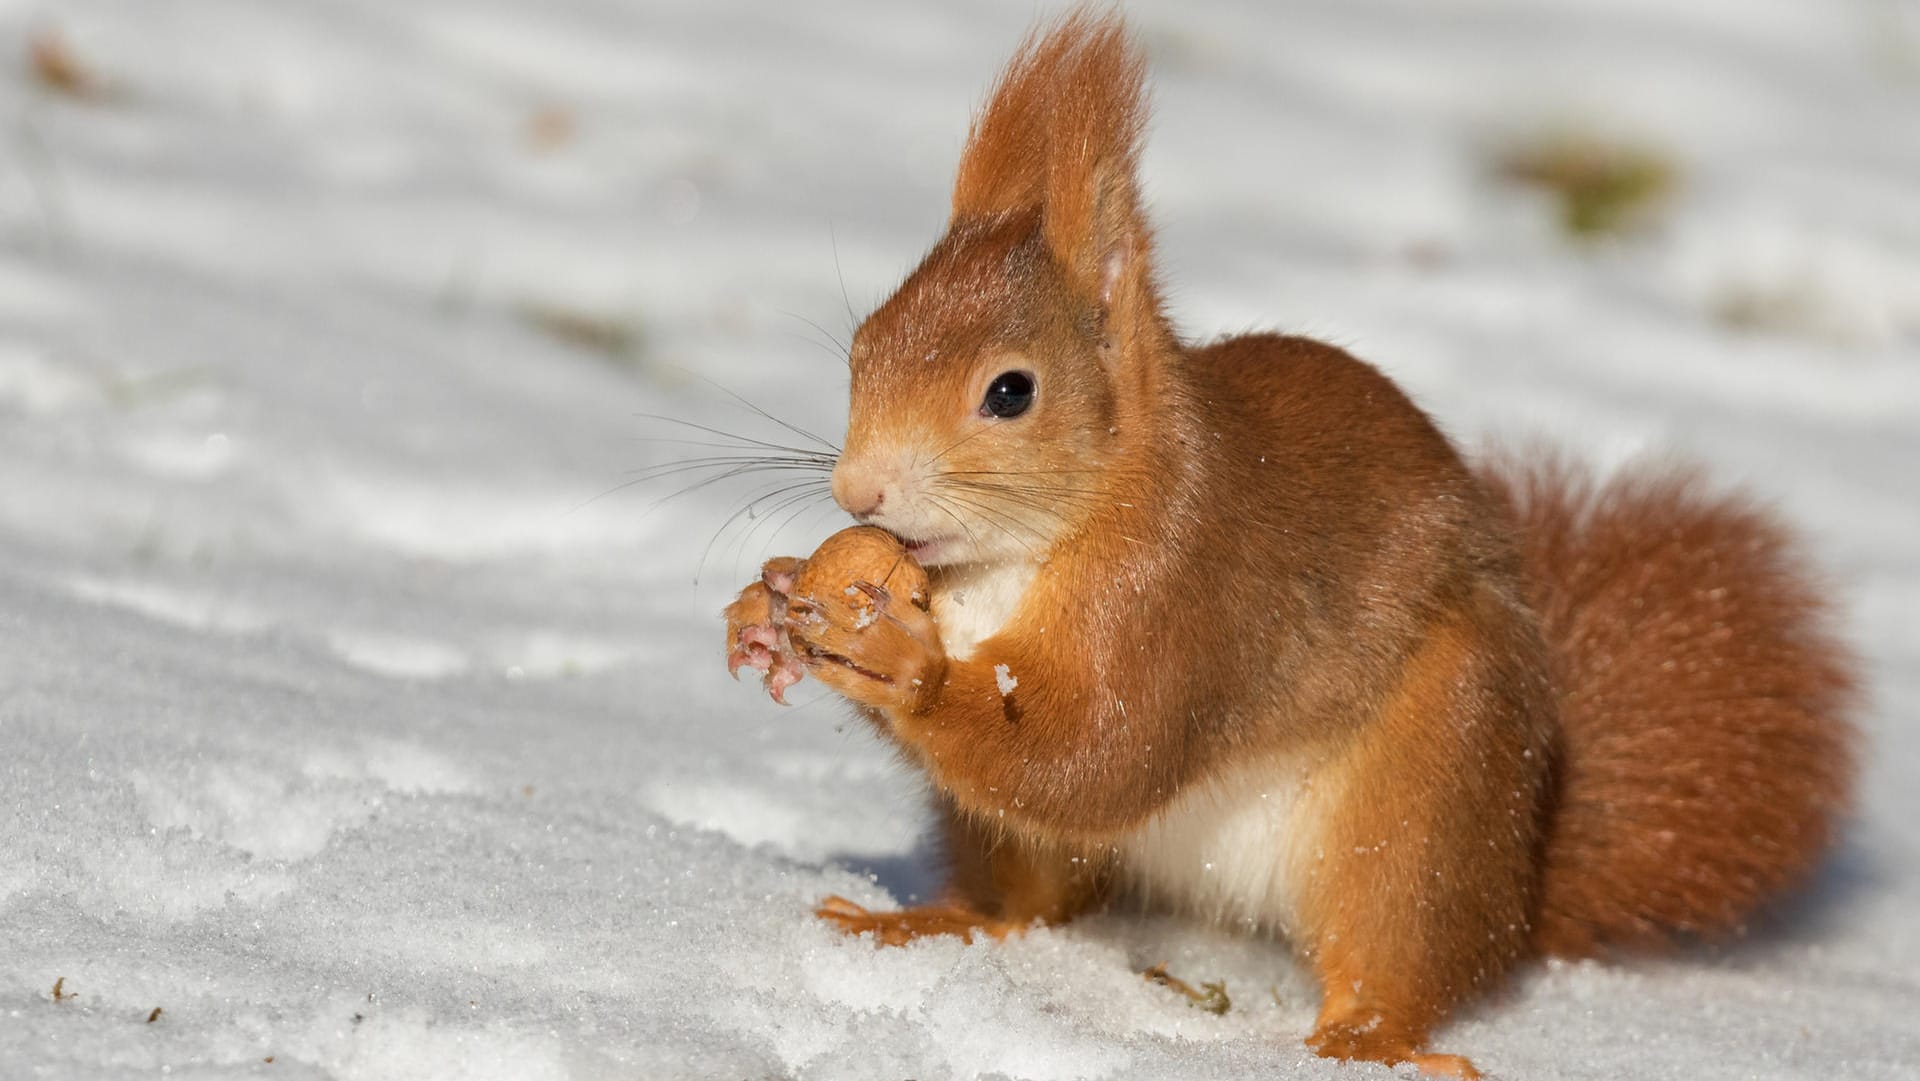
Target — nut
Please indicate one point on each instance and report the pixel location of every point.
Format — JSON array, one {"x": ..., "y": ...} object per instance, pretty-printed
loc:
[{"x": 858, "y": 554}]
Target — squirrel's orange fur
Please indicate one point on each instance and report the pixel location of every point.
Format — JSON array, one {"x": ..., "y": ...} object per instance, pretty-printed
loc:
[
  {"x": 1704, "y": 760},
  {"x": 1243, "y": 603}
]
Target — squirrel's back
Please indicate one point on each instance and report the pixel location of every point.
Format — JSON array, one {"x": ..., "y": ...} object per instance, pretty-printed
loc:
[{"x": 1705, "y": 754}]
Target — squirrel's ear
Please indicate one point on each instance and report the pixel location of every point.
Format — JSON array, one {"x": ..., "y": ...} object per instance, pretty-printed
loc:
[
  {"x": 1003, "y": 169},
  {"x": 1091, "y": 209},
  {"x": 1061, "y": 133}
]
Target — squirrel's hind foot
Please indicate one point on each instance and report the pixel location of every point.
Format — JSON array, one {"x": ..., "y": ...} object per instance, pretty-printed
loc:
[
  {"x": 902, "y": 927},
  {"x": 1374, "y": 1042}
]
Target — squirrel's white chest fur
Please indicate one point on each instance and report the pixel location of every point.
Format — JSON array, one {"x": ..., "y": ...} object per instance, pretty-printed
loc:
[
  {"x": 973, "y": 603},
  {"x": 1235, "y": 852}
]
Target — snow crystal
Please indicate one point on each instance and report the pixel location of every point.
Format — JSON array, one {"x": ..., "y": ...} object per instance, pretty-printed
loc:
[{"x": 1004, "y": 679}]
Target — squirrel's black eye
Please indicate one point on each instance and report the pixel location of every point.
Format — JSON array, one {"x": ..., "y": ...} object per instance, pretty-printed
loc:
[{"x": 1009, "y": 395}]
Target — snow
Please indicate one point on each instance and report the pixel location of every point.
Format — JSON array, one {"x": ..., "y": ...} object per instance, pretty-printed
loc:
[
  {"x": 1004, "y": 679},
  {"x": 358, "y": 717}
]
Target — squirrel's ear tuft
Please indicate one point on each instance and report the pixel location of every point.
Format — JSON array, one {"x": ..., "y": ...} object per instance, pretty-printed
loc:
[{"x": 1061, "y": 133}]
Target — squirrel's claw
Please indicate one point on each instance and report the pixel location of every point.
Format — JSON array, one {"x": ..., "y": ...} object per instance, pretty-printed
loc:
[
  {"x": 756, "y": 630},
  {"x": 835, "y": 905},
  {"x": 784, "y": 672},
  {"x": 881, "y": 596},
  {"x": 756, "y": 648}
]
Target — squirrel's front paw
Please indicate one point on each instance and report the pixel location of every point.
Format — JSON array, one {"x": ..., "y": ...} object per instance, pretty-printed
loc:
[
  {"x": 872, "y": 645},
  {"x": 757, "y": 632}
]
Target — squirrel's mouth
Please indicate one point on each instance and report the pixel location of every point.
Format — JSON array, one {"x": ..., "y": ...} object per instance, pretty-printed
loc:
[{"x": 927, "y": 552}]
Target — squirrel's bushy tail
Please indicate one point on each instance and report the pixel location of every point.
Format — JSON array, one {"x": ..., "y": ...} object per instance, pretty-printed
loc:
[{"x": 1706, "y": 749}]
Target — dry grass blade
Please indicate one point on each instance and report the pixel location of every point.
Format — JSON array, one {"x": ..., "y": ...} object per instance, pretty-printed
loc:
[
  {"x": 1211, "y": 997},
  {"x": 610, "y": 336},
  {"x": 58, "y": 68},
  {"x": 550, "y": 127}
]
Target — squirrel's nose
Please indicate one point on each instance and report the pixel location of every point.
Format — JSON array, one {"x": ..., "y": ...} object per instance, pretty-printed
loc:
[
  {"x": 867, "y": 505},
  {"x": 859, "y": 489}
]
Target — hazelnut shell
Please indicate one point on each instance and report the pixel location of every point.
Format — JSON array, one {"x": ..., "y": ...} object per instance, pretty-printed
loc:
[{"x": 860, "y": 553}]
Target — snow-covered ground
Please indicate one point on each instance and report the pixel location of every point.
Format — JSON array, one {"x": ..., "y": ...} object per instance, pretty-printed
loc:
[{"x": 353, "y": 715}]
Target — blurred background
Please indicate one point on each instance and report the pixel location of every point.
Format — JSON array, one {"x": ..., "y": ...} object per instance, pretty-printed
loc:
[
  {"x": 1645, "y": 223},
  {"x": 357, "y": 609}
]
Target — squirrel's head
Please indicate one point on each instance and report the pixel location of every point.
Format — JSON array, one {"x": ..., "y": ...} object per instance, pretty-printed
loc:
[{"x": 994, "y": 390}]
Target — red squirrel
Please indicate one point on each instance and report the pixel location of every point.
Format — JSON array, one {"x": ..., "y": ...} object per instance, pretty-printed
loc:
[{"x": 1234, "y": 629}]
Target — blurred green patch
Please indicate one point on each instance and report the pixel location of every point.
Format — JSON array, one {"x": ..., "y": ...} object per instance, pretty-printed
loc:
[
  {"x": 1604, "y": 187},
  {"x": 620, "y": 339},
  {"x": 138, "y": 390}
]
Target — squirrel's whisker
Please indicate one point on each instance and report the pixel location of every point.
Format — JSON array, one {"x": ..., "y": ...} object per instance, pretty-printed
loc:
[{"x": 783, "y": 495}]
